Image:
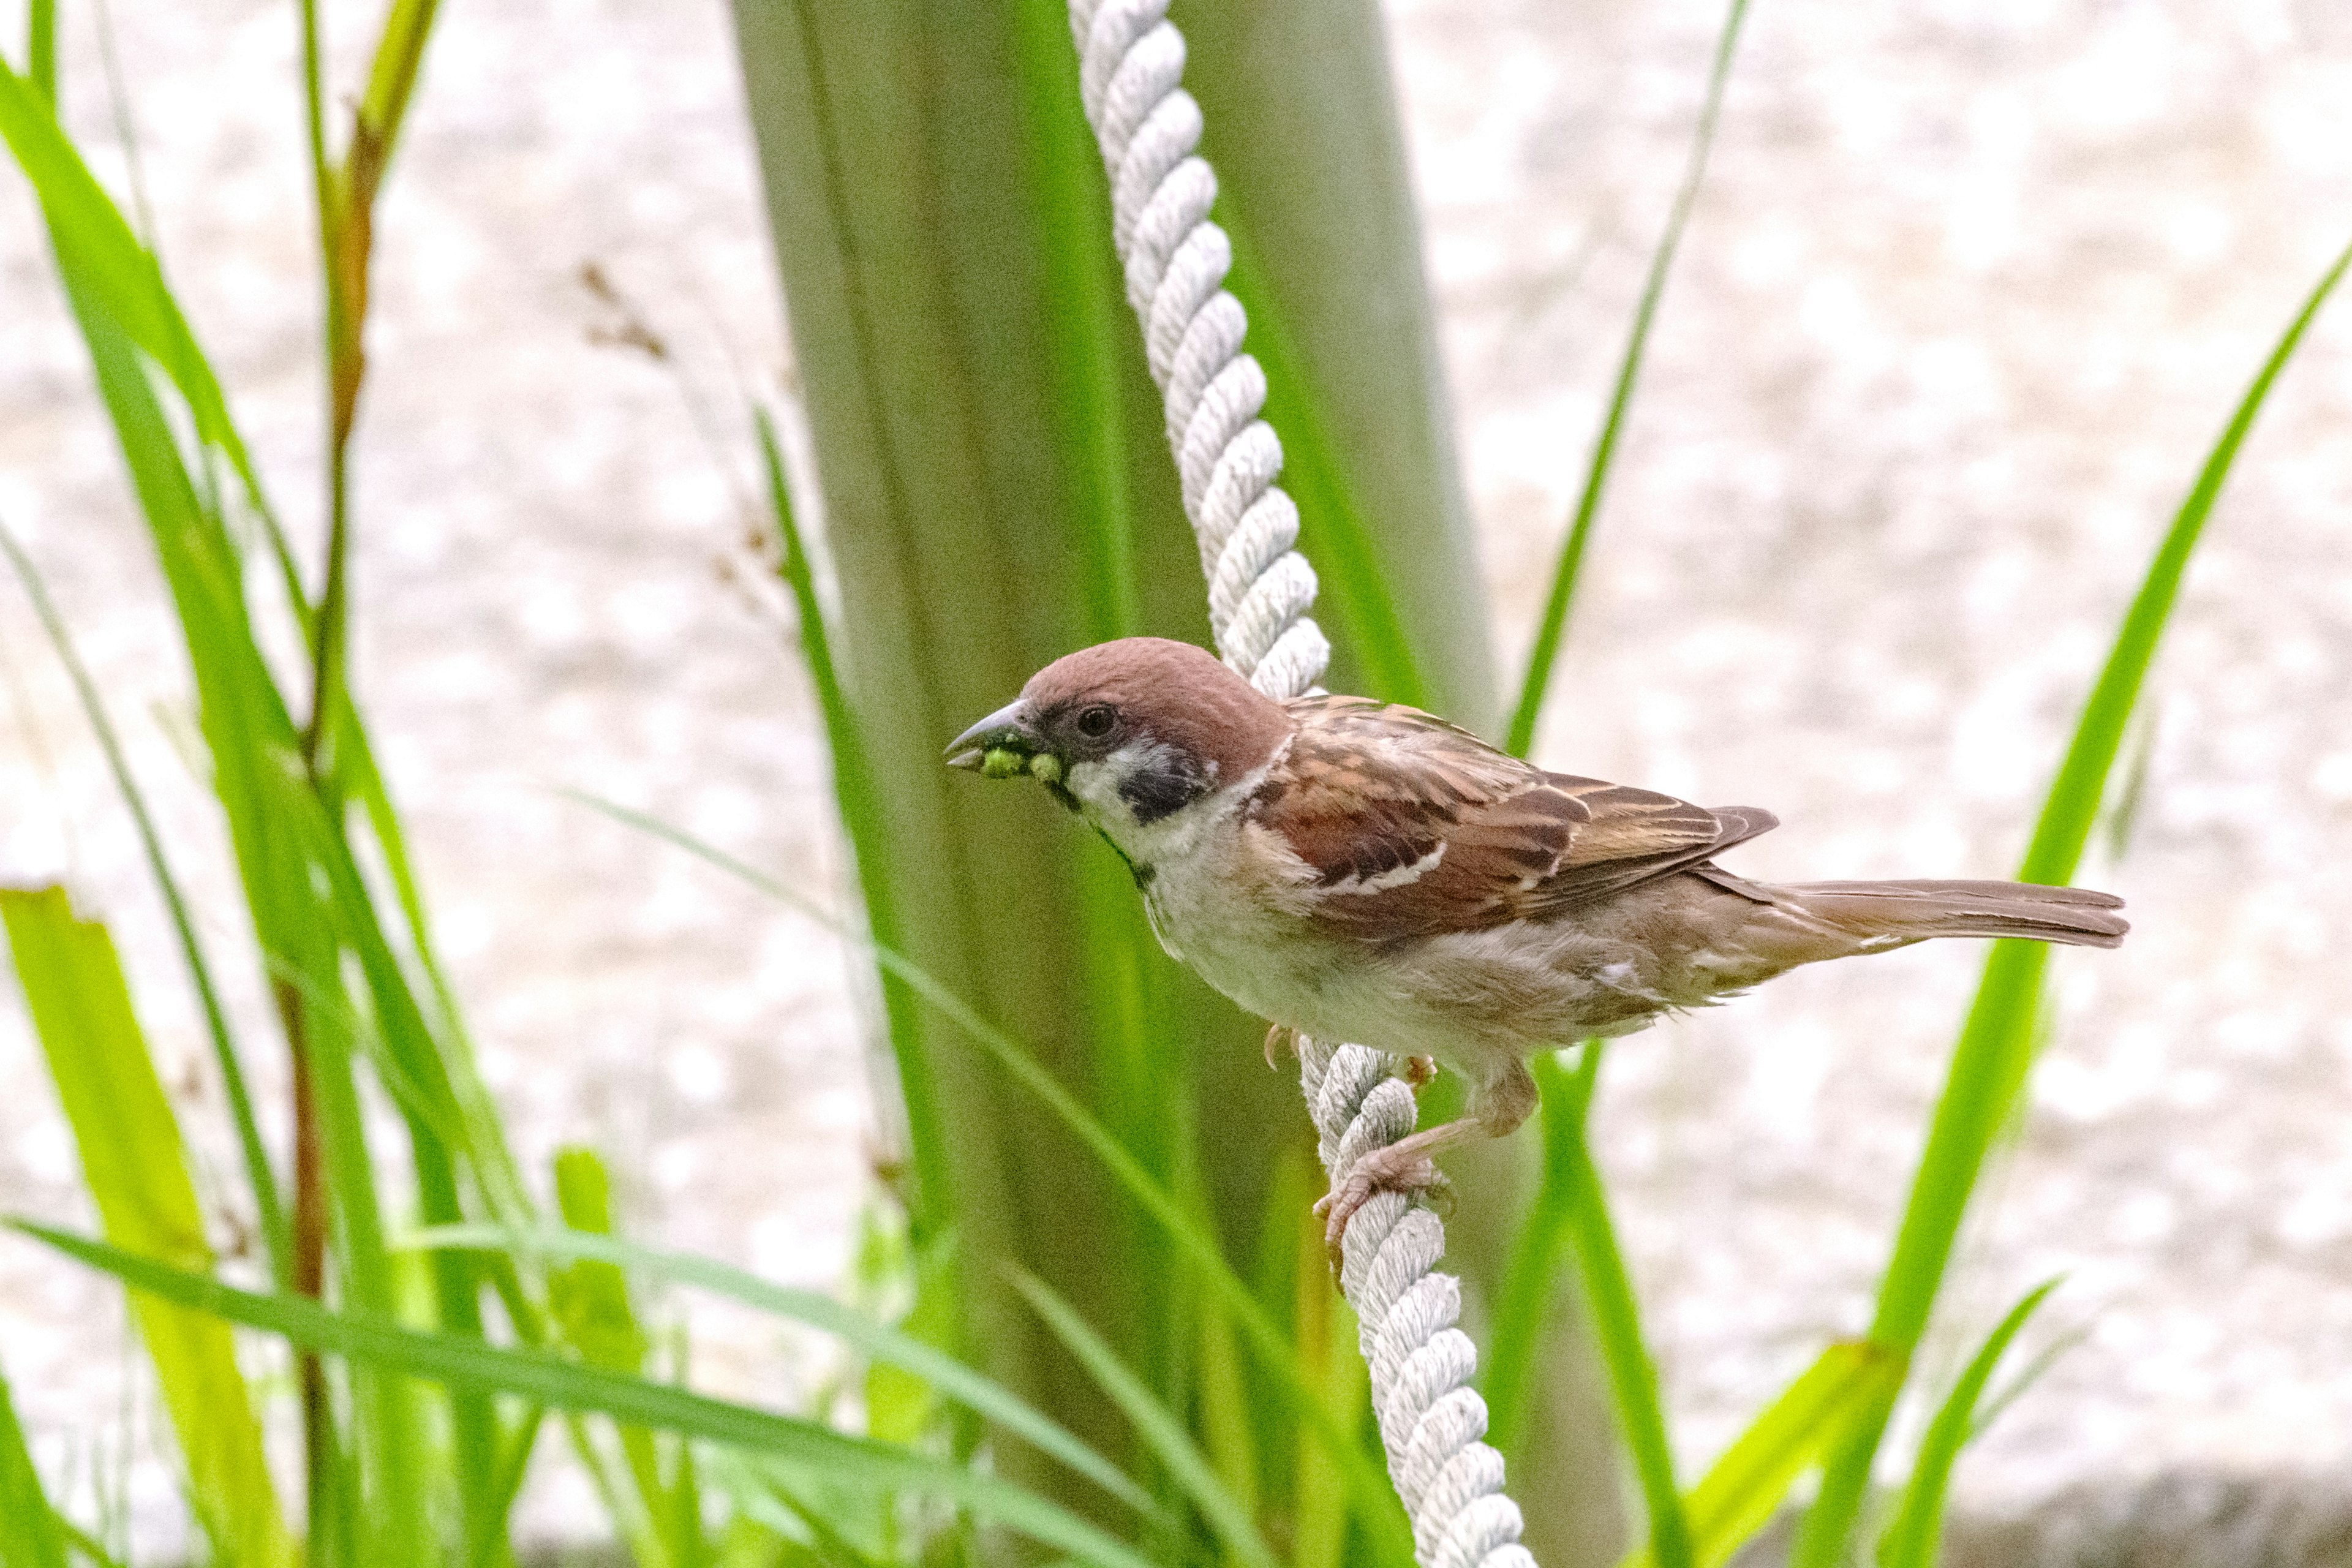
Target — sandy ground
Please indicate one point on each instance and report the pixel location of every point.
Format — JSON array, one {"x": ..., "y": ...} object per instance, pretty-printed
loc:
[{"x": 1971, "y": 287}]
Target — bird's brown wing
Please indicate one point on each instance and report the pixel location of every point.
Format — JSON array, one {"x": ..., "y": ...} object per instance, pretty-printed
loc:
[{"x": 1411, "y": 827}]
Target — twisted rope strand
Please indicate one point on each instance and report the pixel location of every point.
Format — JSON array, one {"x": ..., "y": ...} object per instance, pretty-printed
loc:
[{"x": 1131, "y": 69}]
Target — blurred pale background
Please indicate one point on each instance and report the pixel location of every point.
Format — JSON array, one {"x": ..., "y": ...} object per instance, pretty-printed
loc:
[{"x": 1970, "y": 287}]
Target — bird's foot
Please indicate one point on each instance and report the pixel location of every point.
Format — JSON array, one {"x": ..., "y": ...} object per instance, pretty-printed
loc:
[
  {"x": 1281, "y": 1039},
  {"x": 1394, "y": 1169},
  {"x": 1418, "y": 1070}
]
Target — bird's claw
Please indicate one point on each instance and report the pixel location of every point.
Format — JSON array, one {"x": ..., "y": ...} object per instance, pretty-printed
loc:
[
  {"x": 1418, "y": 1070},
  {"x": 1415, "y": 1176},
  {"x": 1282, "y": 1038}
]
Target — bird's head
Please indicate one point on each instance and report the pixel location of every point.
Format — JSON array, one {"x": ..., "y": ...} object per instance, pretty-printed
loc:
[{"x": 1130, "y": 733}]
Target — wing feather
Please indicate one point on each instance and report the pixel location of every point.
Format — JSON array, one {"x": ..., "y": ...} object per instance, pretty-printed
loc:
[{"x": 1409, "y": 827}]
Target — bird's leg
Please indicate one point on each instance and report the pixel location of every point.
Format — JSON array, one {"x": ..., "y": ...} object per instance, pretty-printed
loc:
[
  {"x": 1283, "y": 1038},
  {"x": 1405, "y": 1166}
]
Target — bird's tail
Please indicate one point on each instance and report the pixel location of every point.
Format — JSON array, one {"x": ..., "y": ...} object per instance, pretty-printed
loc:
[{"x": 1894, "y": 913}]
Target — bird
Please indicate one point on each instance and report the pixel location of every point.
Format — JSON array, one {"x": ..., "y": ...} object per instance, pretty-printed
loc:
[{"x": 1352, "y": 869}]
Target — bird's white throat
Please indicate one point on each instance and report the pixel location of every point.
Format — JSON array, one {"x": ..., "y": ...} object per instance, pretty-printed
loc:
[{"x": 1106, "y": 793}]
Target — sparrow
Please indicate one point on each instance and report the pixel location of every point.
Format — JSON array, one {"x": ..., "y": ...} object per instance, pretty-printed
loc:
[{"x": 1358, "y": 870}]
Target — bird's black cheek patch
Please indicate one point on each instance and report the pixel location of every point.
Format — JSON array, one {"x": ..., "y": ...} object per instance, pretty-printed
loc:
[{"x": 1154, "y": 793}]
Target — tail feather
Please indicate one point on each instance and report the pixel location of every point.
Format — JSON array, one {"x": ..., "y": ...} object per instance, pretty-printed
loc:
[{"x": 1907, "y": 912}]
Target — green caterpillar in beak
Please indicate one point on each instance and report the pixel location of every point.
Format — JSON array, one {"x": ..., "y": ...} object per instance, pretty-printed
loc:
[{"x": 1003, "y": 762}]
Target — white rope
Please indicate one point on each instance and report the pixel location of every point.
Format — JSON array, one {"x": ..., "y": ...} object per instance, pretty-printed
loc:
[{"x": 1131, "y": 69}]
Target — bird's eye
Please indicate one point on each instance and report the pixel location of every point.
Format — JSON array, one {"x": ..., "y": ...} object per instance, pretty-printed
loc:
[{"x": 1096, "y": 722}]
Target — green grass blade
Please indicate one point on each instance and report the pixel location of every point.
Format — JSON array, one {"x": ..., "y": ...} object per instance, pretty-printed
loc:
[
  {"x": 876, "y": 1341},
  {"x": 1910, "y": 1541},
  {"x": 1356, "y": 599},
  {"x": 391, "y": 75},
  {"x": 1194, "y": 1245},
  {"x": 565, "y": 1386},
  {"x": 261, "y": 1178},
  {"x": 1996, "y": 1045},
  {"x": 136, "y": 1170},
  {"x": 1523, "y": 1307},
  {"x": 1553, "y": 625},
  {"x": 1617, "y": 1318},
  {"x": 97, "y": 249},
  {"x": 1328, "y": 1348},
  {"x": 41, "y": 48},
  {"x": 588, "y": 1305},
  {"x": 863, "y": 820},
  {"x": 1740, "y": 1492},
  {"x": 1161, "y": 1429},
  {"x": 30, "y": 1535},
  {"x": 1087, "y": 338}
]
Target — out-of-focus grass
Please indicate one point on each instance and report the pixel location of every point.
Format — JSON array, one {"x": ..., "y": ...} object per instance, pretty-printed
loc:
[
  {"x": 30, "y": 1533},
  {"x": 136, "y": 1170},
  {"x": 421, "y": 1429},
  {"x": 1551, "y": 625},
  {"x": 1193, "y": 1244},
  {"x": 1996, "y": 1043},
  {"x": 465, "y": 1362},
  {"x": 1910, "y": 1541}
]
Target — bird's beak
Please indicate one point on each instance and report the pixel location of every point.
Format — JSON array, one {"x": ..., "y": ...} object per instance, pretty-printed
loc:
[{"x": 1006, "y": 730}]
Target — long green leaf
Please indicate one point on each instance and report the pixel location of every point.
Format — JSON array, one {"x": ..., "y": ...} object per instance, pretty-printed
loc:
[
  {"x": 1996, "y": 1045},
  {"x": 1617, "y": 1318},
  {"x": 1553, "y": 624},
  {"x": 1523, "y": 1307},
  {"x": 260, "y": 1179},
  {"x": 566, "y": 1385},
  {"x": 862, "y": 820},
  {"x": 1365, "y": 1483},
  {"x": 1162, "y": 1430},
  {"x": 30, "y": 1536},
  {"x": 1742, "y": 1489},
  {"x": 97, "y": 247},
  {"x": 876, "y": 1341},
  {"x": 1356, "y": 595},
  {"x": 1910, "y": 1541},
  {"x": 135, "y": 1168}
]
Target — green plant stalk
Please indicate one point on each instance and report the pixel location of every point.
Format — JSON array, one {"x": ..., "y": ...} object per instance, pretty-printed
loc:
[
  {"x": 1524, "y": 1300},
  {"x": 1086, "y": 335},
  {"x": 1996, "y": 1045},
  {"x": 1328, "y": 1348},
  {"x": 345, "y": 197},
  {"x": 1553, "y": 625},
  {"x": 567, "y": 1385},
  {"x": 855, "y": 798},
  {"x": 261, "y": 1178},
  {"x": 1617, "y": 1320},
  {"x": 1911, "y": 1541}
]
